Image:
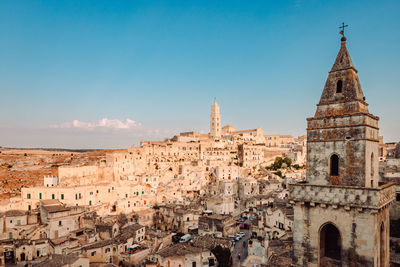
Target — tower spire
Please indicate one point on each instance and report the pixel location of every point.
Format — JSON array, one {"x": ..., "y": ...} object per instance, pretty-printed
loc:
[
  {"x": 215, "y": 120},
  {"x": 342, "y": 84},
  {"x": 343, "y": 60}
]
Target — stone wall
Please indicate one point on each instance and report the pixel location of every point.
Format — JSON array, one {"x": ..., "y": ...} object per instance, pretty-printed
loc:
[
  {"x": 346, "y": 196},
  {"x": 358, "y": 213},
  {"x": 359, "y": 231},
  {"x": 353, "y": 138},
  {"x": 79, "y": 175}
]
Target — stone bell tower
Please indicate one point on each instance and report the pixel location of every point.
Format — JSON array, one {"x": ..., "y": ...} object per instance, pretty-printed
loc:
[
  {"x": 341, "y": 211},
  {"x": 215, "y": 120}
]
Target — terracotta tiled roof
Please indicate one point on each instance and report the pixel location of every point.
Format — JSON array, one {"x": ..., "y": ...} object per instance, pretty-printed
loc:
[
  {"x": 56, "y": 208},
  {"x": 57, "y": 260},
  {"x": 10, "y": 213}
]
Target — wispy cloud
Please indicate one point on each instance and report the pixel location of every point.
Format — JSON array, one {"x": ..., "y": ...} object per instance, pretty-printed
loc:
[
  {"x": 105, "y": 133},
  {"x": 113, "y": 124}
]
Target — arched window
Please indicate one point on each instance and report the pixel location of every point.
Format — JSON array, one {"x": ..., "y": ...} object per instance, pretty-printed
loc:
[
  {"x": 334, "y": 165},
  {"x": 330, "y": 244},
  {"x": 339, "y": 86},
  {"x": 372, "y": 165}
]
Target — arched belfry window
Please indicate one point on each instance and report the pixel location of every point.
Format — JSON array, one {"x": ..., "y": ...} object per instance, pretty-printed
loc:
[
  {"x": 339, "y": 86},
  {"x": 334, "y": 164}
]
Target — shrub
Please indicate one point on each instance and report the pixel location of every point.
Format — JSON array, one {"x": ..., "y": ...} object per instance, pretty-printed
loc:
[{"x": 288, "y": 161}]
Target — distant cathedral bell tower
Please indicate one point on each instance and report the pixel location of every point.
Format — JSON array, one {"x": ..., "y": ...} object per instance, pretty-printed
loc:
[
  {"x": 341, "y": 211},
  {"x": 215, "y": 120}
]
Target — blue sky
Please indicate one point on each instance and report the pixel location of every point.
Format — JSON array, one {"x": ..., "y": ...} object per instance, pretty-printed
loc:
[{"x": 160, "y": 64}]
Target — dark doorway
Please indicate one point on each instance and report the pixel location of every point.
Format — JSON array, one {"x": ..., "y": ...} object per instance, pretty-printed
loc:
[
  {"x": 9, "y": 257},
  {"x": 22, "y": 256},
  {"x": 382, "y": 245},
  {"x": 334, "y": 165},
  {"x": 330, "y": 245}
]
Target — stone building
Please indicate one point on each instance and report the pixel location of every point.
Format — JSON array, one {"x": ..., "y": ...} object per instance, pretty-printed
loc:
[
  {"x": 183, "y": 254},
  {"x": 252, "y": 135},
  {"x": 59, "y": 219},
  {"x": 250, "y": 155},
  {"x": 58, "y": 260},
  {"x": 218, "y": 225},
  {"x": 215, "y": 120},
  {"x": 341, "y": 212},
  {"x": 279, "y": 140},
  {"x": 77, "y": 175}
]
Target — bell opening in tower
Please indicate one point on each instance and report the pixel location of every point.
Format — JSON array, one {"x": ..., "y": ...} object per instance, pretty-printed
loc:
[
  {"x": 339, "y": 86},
  {"x": 334, "y": 165}
]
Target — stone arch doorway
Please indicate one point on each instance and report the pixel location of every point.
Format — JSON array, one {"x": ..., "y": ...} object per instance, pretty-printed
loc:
[
  {"x": 330, "y": 246},
  {"x": 382, "y": 246}
]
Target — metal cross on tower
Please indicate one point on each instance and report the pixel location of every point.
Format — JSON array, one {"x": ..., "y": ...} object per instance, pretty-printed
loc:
[{"x": 342, "y": 27}]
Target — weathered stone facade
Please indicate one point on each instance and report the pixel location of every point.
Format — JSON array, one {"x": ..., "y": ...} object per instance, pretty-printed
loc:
[
  {"x": 341, "y": 212},
  {"x": 343, "y": 126}
]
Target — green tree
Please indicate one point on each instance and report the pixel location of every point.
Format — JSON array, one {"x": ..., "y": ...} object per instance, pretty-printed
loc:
[
  {"x": 277, "y": 163},
  {"x": 288, "y": 161}
]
